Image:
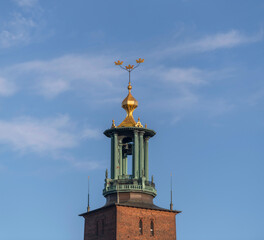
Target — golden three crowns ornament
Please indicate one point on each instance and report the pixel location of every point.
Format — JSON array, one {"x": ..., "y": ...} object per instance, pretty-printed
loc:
[{"x": 129, "y": 103}]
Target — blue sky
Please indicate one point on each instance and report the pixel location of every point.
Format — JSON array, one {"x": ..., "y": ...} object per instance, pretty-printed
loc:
[{"x": 201, "y": 88}]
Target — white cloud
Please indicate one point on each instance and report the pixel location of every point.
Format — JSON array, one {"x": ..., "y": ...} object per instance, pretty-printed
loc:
[
  {"x": 96, "y": 75},
  {"x": 26, "y": 3},
  {"x": 183, "y": 92},
  {"x": 28, "y": 134},
  {"x": 23, "y": 25},
  {"x": 218, "y": 107},
  {"x": 17, "y": 31},
  {"x": 43, "y": 135},
  {"x": 79, "y": 164},
  {"x": 223, "y": 40},
  {"x": 52, "y": 88},
  {"x": 91, "y": 133},
  {"x": 192, "y": 76},
  {"x": 213, "y": 42},
  {"x": 181, "y": 101},
  {"x": 6, "y": 88},
  {"x": 189, "y": 103}
]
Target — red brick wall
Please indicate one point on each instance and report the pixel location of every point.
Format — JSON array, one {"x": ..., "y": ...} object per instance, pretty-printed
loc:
[
  {"x": 121, "y": 223},
  {"x": 128, "y": 224},
  {"x": 106, "y": 216}
]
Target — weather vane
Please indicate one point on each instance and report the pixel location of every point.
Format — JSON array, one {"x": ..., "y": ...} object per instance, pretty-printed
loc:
[{"x": 129, "y": 67}]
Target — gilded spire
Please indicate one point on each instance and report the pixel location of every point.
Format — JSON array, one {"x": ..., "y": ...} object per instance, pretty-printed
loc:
[{"x": 129, "y": 103}]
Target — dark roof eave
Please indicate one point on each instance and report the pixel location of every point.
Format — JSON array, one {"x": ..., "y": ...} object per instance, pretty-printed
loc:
[
  {"x": 154, "y": 207},
  {"x": 147, "y": 132}
]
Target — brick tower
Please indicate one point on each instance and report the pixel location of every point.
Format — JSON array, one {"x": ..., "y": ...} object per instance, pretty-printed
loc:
[{"x": 129, "y": 212}]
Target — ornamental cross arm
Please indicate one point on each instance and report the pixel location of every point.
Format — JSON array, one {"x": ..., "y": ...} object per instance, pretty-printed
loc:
[{"x": 129, "y": 67}]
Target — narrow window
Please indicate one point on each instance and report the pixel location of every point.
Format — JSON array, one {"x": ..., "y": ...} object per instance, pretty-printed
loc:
[
  {"x": 152, "y": 228},
  {"x": 140, "y": 227},
  {"x": 103, "y": 226}
]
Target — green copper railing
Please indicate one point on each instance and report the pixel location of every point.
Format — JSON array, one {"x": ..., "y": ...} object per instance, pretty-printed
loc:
[{"x": 129, "y": 187}]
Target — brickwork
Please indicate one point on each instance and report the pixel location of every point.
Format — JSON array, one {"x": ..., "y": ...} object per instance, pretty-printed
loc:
[
  {"x": 128, "y": 224},
  {"x": 121, "y": 223},
  {"x": 100, "y": 224}
]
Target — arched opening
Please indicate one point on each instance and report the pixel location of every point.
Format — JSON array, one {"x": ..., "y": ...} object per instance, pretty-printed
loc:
[
  {"x": 140, "y": 227},
  {"x": 152, "y": 228},
  {"x": 127, "y": 156}
]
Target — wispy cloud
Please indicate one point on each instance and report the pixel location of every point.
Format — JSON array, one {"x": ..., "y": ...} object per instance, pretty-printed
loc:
[
  {"x": 182, "y": 81},
  {"x": 181, "y": 76},
  {"x": 52, "y": 77},
  {"x": 183, "y": 88},
  {"x": 91, "y": 133},
  {"x": 52, "y": 87},
  {"x": 17, "y": 31},
  {"x": 218, "y": 107},
  {"x": 223, "y": 40},
  {"x": 80, "y": 164},
  {"x": 85, "y": 165},
  {"x": 182, "y": 100},
  {"x": 189, "y": 103},
  {"x": 37, "y": 135},
  {"x": 213, "y": 42},
  {"x": 7, "y": 88},
  {"x": 26, "y": 3},
  {"x": 22, "y": 25}
]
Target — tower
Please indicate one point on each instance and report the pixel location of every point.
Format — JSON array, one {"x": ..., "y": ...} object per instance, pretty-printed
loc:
[{"x": 129, "y": 212}]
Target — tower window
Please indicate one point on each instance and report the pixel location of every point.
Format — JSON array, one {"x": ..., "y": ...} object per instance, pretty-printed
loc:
[
  {"x": 152, "y": 228},
  {"x": 140, "y": 227}
]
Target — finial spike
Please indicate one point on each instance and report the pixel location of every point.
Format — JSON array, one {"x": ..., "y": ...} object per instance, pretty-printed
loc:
[
  {"x": 88, "y": 207},
  {"x": 171, "y": 204},
  {"x": 106, "y": 173}
]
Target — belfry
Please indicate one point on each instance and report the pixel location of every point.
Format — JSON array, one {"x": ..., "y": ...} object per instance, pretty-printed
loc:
[{"x": 129, "y": 212}]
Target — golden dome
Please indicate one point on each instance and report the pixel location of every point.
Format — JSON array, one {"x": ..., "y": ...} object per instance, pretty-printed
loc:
[{"x": 129, "y": 104}]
